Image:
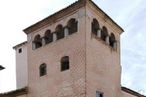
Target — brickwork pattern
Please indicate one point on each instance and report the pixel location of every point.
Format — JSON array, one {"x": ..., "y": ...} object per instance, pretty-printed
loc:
[{"x": 69, "y": 83}]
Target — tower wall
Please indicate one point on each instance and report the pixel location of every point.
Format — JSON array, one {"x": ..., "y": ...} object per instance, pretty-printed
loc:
[
  {"x": 21, "y": 66},
  {"x": 94, "y": 61},
  {"x": 69, "y": 83},
  {"x": 103, "y": 69}
]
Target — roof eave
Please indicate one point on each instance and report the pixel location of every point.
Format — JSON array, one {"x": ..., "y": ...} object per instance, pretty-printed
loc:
[
  {"x": 122, "y": 30},
  {"x": 17, "y": 92},
  {"x": 127, "y": 90},
  {"x": 52, "y": 18},
  {"x": 71, "y": 8},
  {"x": 18, "y": 45}
]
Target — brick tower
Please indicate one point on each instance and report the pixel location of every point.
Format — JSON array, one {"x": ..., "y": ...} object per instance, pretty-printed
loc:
[{"x": 74, "y": 53}]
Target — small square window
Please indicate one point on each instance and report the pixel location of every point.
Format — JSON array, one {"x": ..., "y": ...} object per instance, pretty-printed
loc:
[
  {"x": 99, "y": 94},
  {"x": 20, "y": 50}
]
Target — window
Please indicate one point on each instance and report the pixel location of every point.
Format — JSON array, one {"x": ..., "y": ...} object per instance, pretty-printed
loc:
[
  {"x": 99, "y": 94},
  {"x": 64, "y": 63},
  {"x": 72, "y": 26},
  {"x": 95, "y": 26},
  {"x": 48, "y": 36},
  {"x": 112, "y": 40},
  {"x": 59, "y": 32},
  {"x": 43, "y": 69},
  {"x": 37, "y": 42},
  {"x": 20, "y": 50},
  {"x": 1, "y": 67},
  {"x": 104, "y": 33}
]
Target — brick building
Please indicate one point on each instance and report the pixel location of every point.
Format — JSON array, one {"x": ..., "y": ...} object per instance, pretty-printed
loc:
[{"x": 72, "y": 53}]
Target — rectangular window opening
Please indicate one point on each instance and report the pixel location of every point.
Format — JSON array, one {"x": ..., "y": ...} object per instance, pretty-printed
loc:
[
  {"x": 20, "y": 50},
  {"x": 99, "y": 94},
  {"x": 64, "y": 66}
]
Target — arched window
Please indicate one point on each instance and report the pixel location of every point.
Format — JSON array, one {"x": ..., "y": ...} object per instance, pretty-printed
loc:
[
  {"x": 104, "y": 33},
  {"x": 59, "y": 32},
  {"x": 37, "y": 41},
  {"x": 64, "y": 63},
  {"x": 72, "y": 26},
  {"x": 95, "y": 26},
  {"x": 48, "y": 36},
  {"x": 112, "y": 40},
  {"x": 43, "y": 69}
]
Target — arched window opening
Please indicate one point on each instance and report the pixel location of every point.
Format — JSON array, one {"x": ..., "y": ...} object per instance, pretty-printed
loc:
[
  {"x": 104, "y": 33},
  {"x": 64, "y": 63},
  {"x": 37, "y": 41},
  {"x": 59, "y": 32},
  {"x": 112, "y": 40},
  {"x": 43, "y": 69},
  {"x": 72, "y": 26},
  {"x": 48, "y": 36},
  {"x": 95, "y": 26}
]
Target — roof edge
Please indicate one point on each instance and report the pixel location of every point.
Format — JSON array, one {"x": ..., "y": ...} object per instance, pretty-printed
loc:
[
  {"x": 18, "y": 45},
  {"x": 132, "y": 92},
  {"x": 16, "y": 92},
  {"x": 106, "y": 15},
  {"x": 52, "y": 18},
  {"x": 65, "y": 11}
]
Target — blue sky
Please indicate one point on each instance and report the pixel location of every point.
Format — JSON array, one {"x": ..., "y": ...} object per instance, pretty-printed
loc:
[{"x": 129, "y": 14}]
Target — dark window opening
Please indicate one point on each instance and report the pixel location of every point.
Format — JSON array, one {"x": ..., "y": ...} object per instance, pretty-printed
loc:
[
  {"x": 37, "y": 41},
  {"x": 43, "y": 69},
  {"x": 95, "y": 26},
  {"x": 64, "y": 63},
  {"x": 99, "y": 94},
  {"x": 72, "y": 26},
  {"x": 20, "y": 50},
  {"x": 59, "y": 32},
  {"x": 112, "y": 40},
  {"x": 104, "y": 33},
  {"x": 48, "y": 37},
  {"x": 1, "y": 67}
]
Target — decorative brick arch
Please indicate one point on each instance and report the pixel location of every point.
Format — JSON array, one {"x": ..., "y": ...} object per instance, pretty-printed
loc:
[
  {"x": 112, "y": 40},
  {"x": 59, "y": 30},
  {"x": 48, "y": 36},
  {"x": 104, "y": 33},
  {"x": 95, "y": 26},
  {"x": 72, "y": 25},
  {"x": 37, "y": 42}
]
